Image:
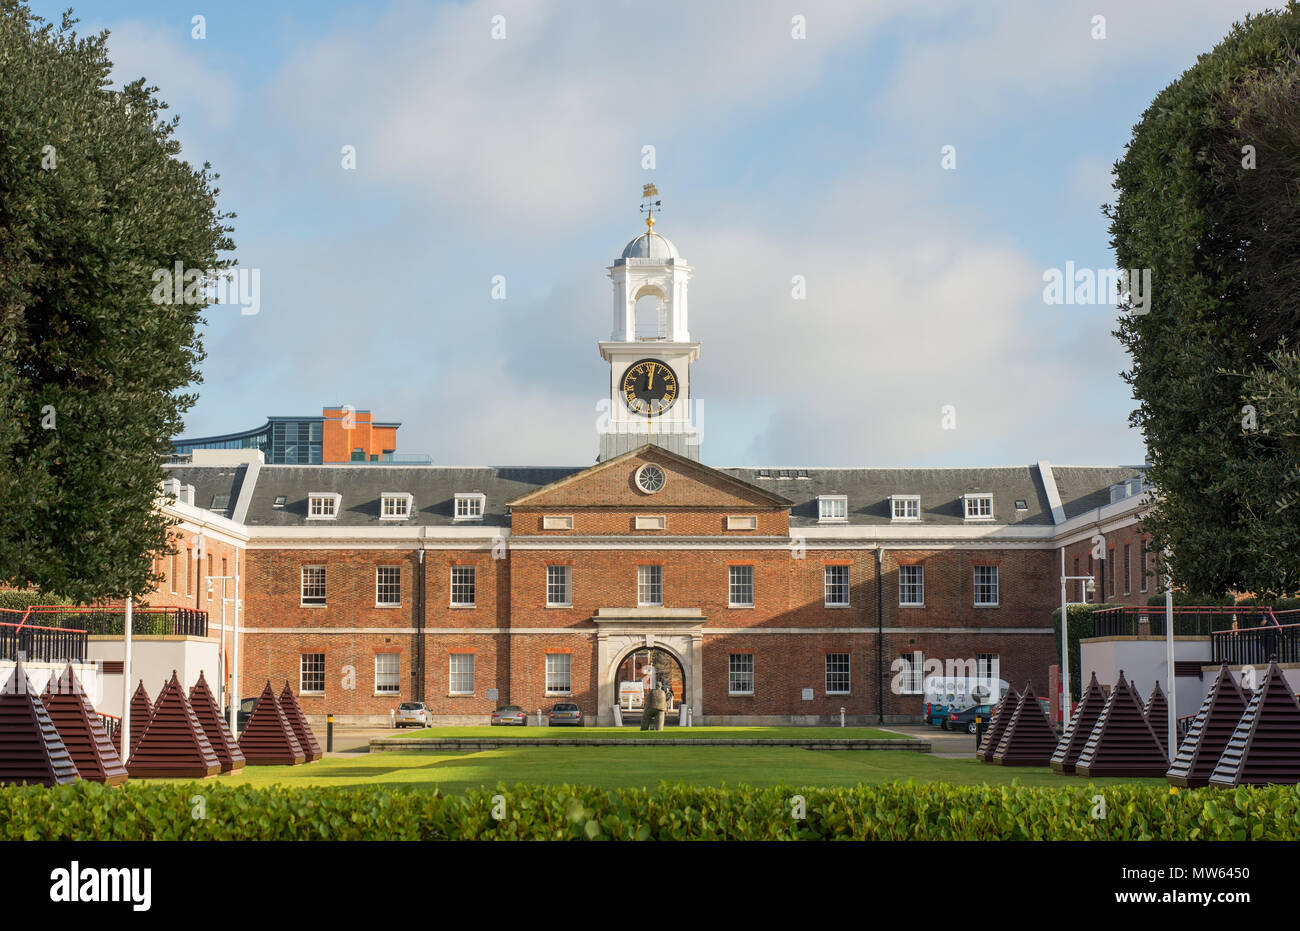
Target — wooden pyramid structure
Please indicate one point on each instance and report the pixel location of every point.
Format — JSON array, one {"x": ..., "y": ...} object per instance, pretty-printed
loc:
[
  {"x": 82, "y": 730},
  {"x": 31, "y": 751},
  {"x": 1209, "y": 734},
  {"x": 1157, "y": 715},
  {"x": 298, "y": 721},
  {"x": 1122, "y": 743},
  {"x": 1265, "y": 747},
  {"x": 1076, "y": 736},
  {"x": 174, "y": 744},
  {"x": 141, "y": 712},
  {"x": 205, "y": 708},
  {"x": 269, "y": 740},
  {"x": 1029, "y": 738},
  {"x": 997, "y": 724}
]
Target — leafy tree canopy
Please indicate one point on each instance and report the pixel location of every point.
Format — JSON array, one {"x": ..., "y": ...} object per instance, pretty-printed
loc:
[
  {"x": 1208, "y": 199},
  {"x": 93, "y": 373}
]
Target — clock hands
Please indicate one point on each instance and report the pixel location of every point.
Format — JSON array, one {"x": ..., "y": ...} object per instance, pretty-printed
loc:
[{"x": 650, "y": 382}]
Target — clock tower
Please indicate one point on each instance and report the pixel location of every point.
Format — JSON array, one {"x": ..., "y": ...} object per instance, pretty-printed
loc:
[{"x": 650, "y": 349}]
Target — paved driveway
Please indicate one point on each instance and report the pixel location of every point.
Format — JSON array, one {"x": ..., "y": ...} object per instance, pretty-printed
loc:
[
  {"x": 953, "y": 744},
  {"x": 349, "y": 740}
]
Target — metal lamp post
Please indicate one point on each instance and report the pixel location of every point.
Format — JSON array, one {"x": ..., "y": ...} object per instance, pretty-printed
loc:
[
  {"x": 1090, "y": 586},
  {"x": 221, "y": 652}
]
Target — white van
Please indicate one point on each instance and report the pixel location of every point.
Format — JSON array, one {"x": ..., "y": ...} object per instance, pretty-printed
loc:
[{"x": 960, "y": 693}]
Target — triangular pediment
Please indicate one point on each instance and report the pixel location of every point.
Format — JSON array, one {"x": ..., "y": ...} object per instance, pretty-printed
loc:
[{"x": 687, "y": 484}]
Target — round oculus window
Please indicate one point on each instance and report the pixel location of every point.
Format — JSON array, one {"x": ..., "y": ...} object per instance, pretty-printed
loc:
[{"x": 650, "y": 478}]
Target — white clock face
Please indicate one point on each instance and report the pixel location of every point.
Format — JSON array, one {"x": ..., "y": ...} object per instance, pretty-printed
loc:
[{"x": 650, "y": 478}]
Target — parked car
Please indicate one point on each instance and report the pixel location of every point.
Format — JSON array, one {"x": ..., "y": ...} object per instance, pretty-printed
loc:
[
  {"x": 566, "y": 713},
  {"x": 245, "y": 712},
  {"x": 510, "y": 714},
  {"x": 411, "y": 713},
  {"x": 965, "y": 720},
  {"x": 936, "y": 713}
]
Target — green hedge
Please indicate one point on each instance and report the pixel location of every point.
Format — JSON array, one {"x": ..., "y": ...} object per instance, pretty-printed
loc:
[
  {"x": 22, "y": 599},
  {"x": 1080, "y": 629},
  {"x": 906, "y": 811}
]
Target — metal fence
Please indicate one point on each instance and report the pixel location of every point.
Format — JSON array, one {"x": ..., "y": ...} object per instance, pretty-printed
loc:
[
  {"x": 111, "y": 621},
  {"x": 1189, "y": 620},
  {"x": 42, "y": 644},
  {"x": 1256, "y": 646}
]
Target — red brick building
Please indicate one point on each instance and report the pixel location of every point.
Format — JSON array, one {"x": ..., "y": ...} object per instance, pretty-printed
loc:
[{"x": 779, "y": 594}]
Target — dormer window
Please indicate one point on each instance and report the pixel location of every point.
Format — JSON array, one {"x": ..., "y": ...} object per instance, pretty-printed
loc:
[
  {"x": 905, "y": 507},
  {"x": 279, "y": 501},
  {"x": 220, "y": 503},
  {"x": 470, "y": 506},
  {"x": 833, "y": 509},
  {"x": 979, "y": 507},
  {"x": 395, "y": 505},
  {"x": 323, "y": 505}
]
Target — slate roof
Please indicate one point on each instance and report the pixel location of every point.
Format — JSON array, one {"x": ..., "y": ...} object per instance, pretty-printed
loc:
[
  {"x": 1083, "y": 488},
  {"x": 433, "y": 487},
  {"x": 941, "y": 491},
  {"x": 209, "y": 481},
  {"x": 867, "y": 490}
]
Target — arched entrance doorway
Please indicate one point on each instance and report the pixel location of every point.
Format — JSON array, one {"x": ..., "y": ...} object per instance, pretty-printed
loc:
[
  {"x": 642, "y": 670},
  {"x": 621, "y": 632}
]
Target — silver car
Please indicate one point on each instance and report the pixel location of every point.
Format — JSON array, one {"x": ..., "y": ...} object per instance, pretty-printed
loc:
[
  {"x": 411, "y": 713},
  {"x": 510, "y": 714}
]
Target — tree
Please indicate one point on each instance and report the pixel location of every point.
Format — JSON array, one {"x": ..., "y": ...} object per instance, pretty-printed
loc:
[
  {"x": 94, "y": 205},
  {"x": 1207, "y": 202}
]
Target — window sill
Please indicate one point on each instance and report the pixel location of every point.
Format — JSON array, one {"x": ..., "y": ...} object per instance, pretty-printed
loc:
[
  {"x": 398, "y": 605},
  {"x": 304, "y": 605},
  {"x": 559, "y": 694},
  {"x": 462, "y": 606},
  {"x": 741, "y": 694},
  {"x": 560, "y": 606},
  {"x": 460, "y": 694},
  {"x": 836, "y": 606},
  {"x": 302, "y": 692},
  {"x": 748, "y": 607},
  {"x": 838, "y": 694},
  {"x": 910, "y": 604},
  {"x": 994, "y": 605}
]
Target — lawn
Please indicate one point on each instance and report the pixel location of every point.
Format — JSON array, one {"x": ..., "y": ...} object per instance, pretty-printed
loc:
[
  {"x": 624, "y": 767},
  {"x": 670, "y": 733}
]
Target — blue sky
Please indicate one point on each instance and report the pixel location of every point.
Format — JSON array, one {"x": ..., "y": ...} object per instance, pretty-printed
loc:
[{"x": 776, "y": 157}]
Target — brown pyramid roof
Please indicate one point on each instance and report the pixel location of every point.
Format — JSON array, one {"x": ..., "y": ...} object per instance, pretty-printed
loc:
[
  {"x": 268, "y": 739},
  {"x": 31, "y": 751},
  {"x": 1030, "y": 739},
  {"x": 82, "y": 730},
  {"x": 141, "y": 712},
  {"x": 205, "y": 708},
  {"x": 298, "y": 721},
  {"x": 174, "y": 744},
  {"x": 997, "y": 724},
  {"x": 1156, "y": 712},
  {"x": 1209, "y": 734},
  {"x": 1264, "y": 748},
  {"x": 1081, "y": 725},
  {"x": 1122, "y": 743}
]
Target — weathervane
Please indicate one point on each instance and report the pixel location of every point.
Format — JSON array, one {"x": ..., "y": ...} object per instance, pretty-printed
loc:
[{"x": 648, "y": 205}]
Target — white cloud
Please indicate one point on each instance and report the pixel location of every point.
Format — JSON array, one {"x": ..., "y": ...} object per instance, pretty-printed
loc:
[
  {"x": 177, "y": 65},
  {"x": 987, "y": 61},
  {"x": 541, "y": 129}
]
